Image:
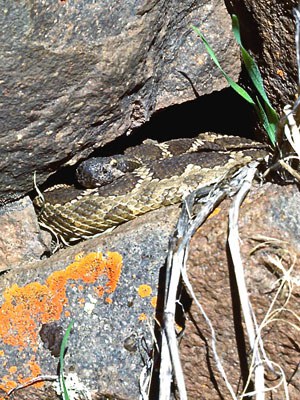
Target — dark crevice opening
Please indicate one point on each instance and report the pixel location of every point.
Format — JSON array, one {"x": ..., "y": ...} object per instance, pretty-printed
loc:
[
  {"x": 223, "y": 112},
  {"x": 249, "y": 26}
]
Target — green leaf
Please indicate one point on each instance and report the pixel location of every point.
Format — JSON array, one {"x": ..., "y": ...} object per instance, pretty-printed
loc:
[
  {"x": 269, "y": 126},
  {"x": 249, "y": 62},
  {"x": 265, "y": 111},
  {"x": 61, "y": 360},
  {"x": 242, "y": 92},
  {"x": 257, "y": 80}
]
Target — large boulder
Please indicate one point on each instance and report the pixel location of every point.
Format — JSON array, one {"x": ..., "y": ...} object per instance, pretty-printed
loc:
[
  {"x": 112, "y": 301},
  {"x": 269, "y": 241},
  {"x": 76, "y": 75}
]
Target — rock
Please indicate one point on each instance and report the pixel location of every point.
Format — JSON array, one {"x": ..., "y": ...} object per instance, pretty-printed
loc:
[
  {"x": 112, "y": 312},
  {"x": 21, "y": 239},
  {"x": 77, "y": 75},
  {"x": 269, "y": 223},
  {"x": 268, "y": 31},
  {"x": 111, "y": 339}
]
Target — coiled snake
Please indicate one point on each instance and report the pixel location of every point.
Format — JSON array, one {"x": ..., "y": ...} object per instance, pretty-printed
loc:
[{"x": 147, "y": 177}]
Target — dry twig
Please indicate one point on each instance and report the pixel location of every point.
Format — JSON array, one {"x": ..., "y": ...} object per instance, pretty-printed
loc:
[{"x": 176, "y": 269}]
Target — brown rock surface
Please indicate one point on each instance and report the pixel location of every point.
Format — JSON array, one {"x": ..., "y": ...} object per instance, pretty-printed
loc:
[
  {"x": 268, "y": 31},
  {"x": 21, "y": 239},
  {"x": 269, "y": 219},
  {"x": 77, "y": 75}
]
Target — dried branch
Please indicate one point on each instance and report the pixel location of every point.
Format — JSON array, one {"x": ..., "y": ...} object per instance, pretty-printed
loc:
[{"x": 209, "y": 197}]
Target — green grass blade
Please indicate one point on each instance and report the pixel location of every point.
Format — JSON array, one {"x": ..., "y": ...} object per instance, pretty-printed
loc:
[
  {"x": 249, "y": 62},
  {"x": 233, "y": 84},
  {"x": 265, "y": 111},
  {"x": 256, "y": 78},
  {"x": 270, "y": 127},
  {"x": 273, "y": 120},
  {"x": 61, "y": 360}
]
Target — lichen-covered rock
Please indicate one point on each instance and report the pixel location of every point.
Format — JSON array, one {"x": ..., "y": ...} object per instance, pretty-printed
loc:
[{"x": 108, "y": 286}]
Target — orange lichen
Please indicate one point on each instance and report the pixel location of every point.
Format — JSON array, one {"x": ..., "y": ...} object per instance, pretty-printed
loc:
[
  {"x": 99, "y": 291},
  {"x": 35, "y": 370},
  {"x": 8, "y": 383},
  {"x": 81, "y": 301},
  {"x": 25, "y": 308},
  {"x": 34, "y": 367},
  {"x": 108, "y": 300},
  {"x": 144, "y": 290},
  {"x": 113, "y": 269},
  {"x": 280, "y": 73},
  {"x": 20, "y": 378},
  {"x": 142, "y": 317},
  {"x": 153, "y": 301},
  {"x": 216, "y": 211},
  {"x": 12, "y": 369}
]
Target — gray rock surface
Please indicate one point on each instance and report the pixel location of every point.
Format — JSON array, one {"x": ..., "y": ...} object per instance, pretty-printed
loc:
[
  {"x": 111, "y": 339},
  {"x": 76, "y": 75}
]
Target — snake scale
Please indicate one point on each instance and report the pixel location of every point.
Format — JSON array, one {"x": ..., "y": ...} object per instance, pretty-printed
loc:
[{"x": 145, "y": 178}]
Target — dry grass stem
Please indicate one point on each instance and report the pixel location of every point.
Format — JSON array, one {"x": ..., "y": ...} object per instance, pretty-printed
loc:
[
  {"x": 234, "y": 246},
  {"x": 176, "y": 270}
]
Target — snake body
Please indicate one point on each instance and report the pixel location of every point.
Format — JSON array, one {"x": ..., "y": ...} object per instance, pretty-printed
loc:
[{"x": 159, "y": 174}]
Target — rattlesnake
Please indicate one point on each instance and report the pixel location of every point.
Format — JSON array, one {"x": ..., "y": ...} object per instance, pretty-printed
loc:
[{"x": 147, "y": 177}]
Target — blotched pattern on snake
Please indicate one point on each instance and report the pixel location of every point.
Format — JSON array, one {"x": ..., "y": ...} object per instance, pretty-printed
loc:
[{"x": 144, "y": 178}]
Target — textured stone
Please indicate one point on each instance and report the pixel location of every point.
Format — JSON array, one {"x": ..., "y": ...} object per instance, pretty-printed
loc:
[
  {"x": 272, "y": 226},
  {"x": 106, "y": 344},
  {"x": 111, "y": 338},
  {"x": 76, "y": 75},
  {"x": 21, "y": 239},
  {"x": 268, "y": 31}
]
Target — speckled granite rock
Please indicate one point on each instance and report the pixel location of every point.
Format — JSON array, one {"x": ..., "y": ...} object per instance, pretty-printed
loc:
[{"x": 112, "y": 315}]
